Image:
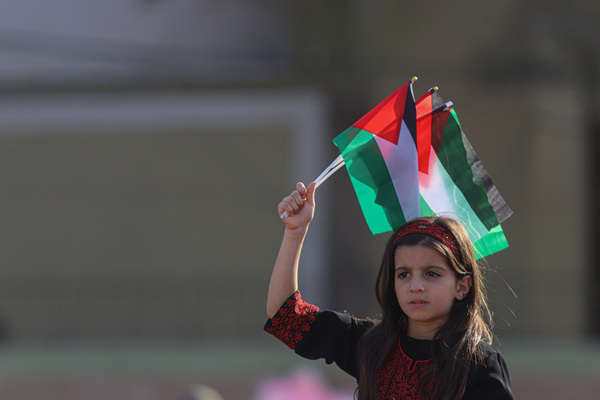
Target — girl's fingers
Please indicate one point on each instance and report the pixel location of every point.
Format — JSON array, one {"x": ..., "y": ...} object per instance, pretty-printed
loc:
[
  {"x": 296, "y": 199},
  {"x": 284, "y": 207},
  {"x": 301, "y": 190},
  {"x": 310, "y": 193},
  {"x": 292, "y": 204}
]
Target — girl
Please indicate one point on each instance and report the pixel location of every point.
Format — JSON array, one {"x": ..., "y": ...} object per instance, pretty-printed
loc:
[{"x": 433, "y": 340}]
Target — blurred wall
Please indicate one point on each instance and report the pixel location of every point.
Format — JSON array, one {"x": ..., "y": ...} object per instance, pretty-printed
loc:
[
  {"x": 139, "y": 217},
  {"x": 145, "y": 145}
]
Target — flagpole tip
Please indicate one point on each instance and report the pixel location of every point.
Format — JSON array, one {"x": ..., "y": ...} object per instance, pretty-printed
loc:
[
  {"x": 414, "y": 78},
  {"x": 435, "y": 88}
]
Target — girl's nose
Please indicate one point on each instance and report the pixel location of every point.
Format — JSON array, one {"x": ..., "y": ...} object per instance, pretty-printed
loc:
[{"x": 416, "y": 285}]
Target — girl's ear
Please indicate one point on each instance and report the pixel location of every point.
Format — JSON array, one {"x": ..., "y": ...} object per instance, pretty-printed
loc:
[{"x": 463, "y": 285}]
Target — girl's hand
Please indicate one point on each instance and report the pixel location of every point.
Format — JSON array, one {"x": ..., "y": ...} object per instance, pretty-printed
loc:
[{"x": 299, "y": 207}]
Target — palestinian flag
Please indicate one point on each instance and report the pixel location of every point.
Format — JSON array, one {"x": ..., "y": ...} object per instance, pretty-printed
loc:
[
  {"x": 452, "y": 180},
  {"x": 380, "y": 154},
  {"x": 408, "y": 159}
]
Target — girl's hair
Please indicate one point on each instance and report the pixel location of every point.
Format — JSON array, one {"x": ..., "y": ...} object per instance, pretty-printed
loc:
[{"x": 455, "y": 346}]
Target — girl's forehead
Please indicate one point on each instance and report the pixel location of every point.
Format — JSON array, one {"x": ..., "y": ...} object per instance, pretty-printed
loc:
[{"x": 414, "y": 256}]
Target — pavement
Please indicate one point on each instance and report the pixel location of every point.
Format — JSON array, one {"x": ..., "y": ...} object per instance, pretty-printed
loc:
[{"x": 540, "y": 369}]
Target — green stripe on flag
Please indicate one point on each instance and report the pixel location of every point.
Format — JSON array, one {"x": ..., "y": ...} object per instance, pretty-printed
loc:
[
  {"x": 455, "y": 159},
  {"x": 371, "y": 180},
  {"x": 490, "y": 243},
  {"x": 426, "y": 211}
]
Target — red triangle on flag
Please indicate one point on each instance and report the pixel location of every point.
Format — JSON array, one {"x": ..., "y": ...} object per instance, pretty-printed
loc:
[{"x": 385, "y": 120}]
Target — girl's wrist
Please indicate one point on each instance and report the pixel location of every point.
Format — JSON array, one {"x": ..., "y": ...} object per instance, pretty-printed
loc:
[{"x": 296, "y": 233}]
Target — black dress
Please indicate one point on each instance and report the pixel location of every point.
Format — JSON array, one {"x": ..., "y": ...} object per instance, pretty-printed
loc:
[{"x": 334, "y": 337}]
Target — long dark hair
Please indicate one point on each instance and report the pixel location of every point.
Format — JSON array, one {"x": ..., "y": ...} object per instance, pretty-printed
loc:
[{"x": 455, "y": 346}]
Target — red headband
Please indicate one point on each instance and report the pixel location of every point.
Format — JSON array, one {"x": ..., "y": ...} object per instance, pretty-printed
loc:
[{"x": 435, "y": 231}]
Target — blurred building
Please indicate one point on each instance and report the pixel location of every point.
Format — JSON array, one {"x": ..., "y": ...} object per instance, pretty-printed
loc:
[{"x": 145, "y": 144}]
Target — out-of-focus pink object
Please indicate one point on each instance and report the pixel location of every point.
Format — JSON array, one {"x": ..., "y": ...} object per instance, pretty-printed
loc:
[{"x": 302, "y": 384}]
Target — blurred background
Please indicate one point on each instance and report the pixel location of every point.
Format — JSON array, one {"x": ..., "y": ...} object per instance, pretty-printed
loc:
[{"x": 144, "y": 145}]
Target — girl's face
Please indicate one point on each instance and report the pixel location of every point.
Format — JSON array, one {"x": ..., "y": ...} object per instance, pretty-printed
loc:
[{"x": 426, "y": 288}]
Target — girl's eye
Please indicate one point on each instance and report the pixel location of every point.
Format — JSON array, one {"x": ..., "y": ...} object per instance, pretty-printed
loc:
[
  {"x": 402, "y": 275},
  {"x": 432, "y": 274}
]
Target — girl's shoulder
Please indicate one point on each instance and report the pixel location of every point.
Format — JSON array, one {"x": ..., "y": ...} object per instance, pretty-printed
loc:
[
  {"x": 491, "y": 364},
  {"x": 487, "y": 348},
  {"x": 489, "y": 351},
  {"x": 490, "y": 378}
]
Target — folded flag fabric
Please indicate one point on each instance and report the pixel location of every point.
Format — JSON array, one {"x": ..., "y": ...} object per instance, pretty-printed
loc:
[
  {"x": 408, "y": 159},
  {"x": 452, "y": 178}
]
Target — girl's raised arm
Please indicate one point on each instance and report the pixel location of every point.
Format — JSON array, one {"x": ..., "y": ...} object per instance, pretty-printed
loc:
[{"x": 299, "y": 207}]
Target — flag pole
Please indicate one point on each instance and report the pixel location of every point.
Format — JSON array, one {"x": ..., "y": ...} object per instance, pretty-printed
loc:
[
  {"x": 327, "y": 172},
  {"x": 333, "y": 167}
]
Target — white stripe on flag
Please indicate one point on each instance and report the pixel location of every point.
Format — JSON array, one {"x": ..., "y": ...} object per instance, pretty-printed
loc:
[
  {"x": 445, "y": 198},
  {"x": 402, "y": 164}
]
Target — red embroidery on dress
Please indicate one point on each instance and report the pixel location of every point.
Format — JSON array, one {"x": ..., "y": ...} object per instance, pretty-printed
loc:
[
  {"x": 400, "y": 377},
  {"x": 293, "y": 319}
]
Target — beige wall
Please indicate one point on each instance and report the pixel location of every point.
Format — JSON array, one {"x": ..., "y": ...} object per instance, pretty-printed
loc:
[{"x": 161, "y": 227}]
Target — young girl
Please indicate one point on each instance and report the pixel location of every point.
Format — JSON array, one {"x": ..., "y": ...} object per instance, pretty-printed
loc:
[{"x": 433, "y": 340}]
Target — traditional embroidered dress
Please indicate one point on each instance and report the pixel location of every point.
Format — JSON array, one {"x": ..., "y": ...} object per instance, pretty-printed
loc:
[{"x": 334, "y": 336}]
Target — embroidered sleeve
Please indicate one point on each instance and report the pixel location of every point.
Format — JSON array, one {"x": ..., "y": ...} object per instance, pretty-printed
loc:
[{"x": 292, "y": 321}]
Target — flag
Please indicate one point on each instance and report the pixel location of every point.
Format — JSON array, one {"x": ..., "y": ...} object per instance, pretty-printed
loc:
[
  {"x": 407, "y": 159},
  {"x": 452, "y": 178},
  {"x": 380, "y": 155}
]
